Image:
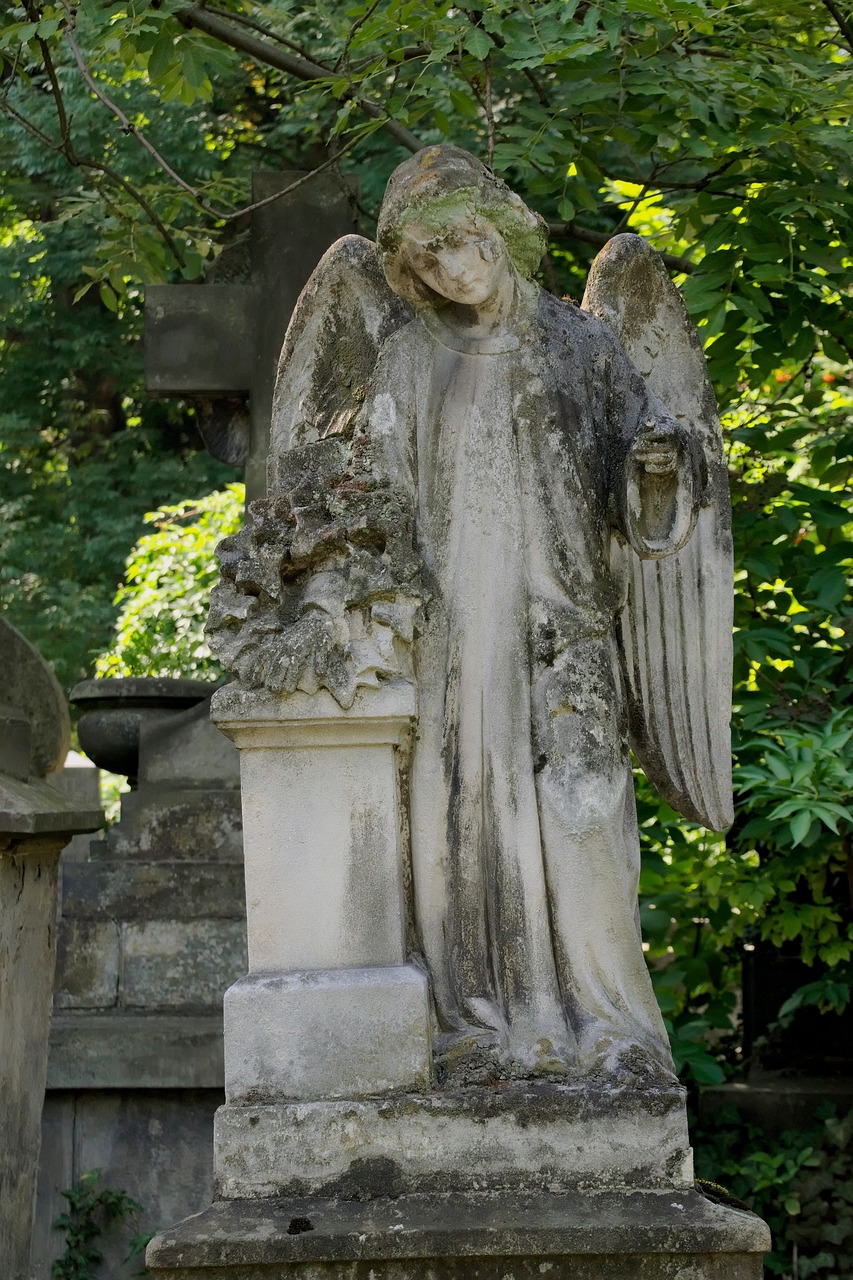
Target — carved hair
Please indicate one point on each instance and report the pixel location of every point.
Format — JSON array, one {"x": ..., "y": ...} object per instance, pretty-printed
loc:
[{"x": 435, "y": 187}]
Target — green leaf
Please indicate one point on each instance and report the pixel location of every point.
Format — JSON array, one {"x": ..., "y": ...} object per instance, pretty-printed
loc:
[{"x": 479, "y": 43}]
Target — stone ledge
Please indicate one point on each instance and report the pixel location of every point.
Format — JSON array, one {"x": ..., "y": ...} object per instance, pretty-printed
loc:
[
  {"x": 34, "y": 807},
  {"x": 156, "y": 890},
  {"x": 258, "y": 719},
  {"x": 533, "y": 1136},
  {"x": 127, "y": 1051},
  {"x": 638, "y": 1235}
]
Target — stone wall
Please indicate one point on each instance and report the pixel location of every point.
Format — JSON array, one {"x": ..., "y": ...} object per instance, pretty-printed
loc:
[{"x": 151, "y": 933}]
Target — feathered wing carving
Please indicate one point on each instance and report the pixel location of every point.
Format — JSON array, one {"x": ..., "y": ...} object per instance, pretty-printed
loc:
[
  {"x": 344, "y": 314},
  {"x": 676, "y": 627}
]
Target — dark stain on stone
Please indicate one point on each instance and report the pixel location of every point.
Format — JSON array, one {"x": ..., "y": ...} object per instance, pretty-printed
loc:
[
  {"x": 368, "y": 1178},
  {"x": 299, "y": 1225}
]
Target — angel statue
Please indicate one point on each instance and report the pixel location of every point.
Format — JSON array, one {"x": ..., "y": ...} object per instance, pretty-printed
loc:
[{"x": 522, "y": 505}]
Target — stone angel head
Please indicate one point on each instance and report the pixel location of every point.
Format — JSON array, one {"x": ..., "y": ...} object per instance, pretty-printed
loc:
[{"x": 451, "y": 232}]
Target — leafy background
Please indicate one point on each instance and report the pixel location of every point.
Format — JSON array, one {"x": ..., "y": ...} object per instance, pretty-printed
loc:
[{"x": 128, "y": 133}]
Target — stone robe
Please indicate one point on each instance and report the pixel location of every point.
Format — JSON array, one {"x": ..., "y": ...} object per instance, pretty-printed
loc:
[{"x": 517, "y": 454}]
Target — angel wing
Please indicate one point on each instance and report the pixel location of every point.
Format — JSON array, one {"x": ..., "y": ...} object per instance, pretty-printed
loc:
[
  {"x": 342, "y": 317},
  {"x": 676, "y": 626}
]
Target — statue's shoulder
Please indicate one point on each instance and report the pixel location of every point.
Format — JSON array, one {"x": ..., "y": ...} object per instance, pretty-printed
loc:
[{"x": 571, "y": 331}]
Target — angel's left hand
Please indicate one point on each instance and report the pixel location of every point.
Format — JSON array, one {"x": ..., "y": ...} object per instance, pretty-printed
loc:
[{"x": 657, "y": 449}]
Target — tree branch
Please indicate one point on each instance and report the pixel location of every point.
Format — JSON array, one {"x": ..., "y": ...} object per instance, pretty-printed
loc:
[
  {"x": 845, "y": 26},
  {"x": 128, "y": 127},
  {"x": 282, "y": 60},
  {"x": 262, "y": 31},
  {"x": 97, "y": 166},
  {"x": 571, "y": 231},
  {"x": 490, "y": 114}
]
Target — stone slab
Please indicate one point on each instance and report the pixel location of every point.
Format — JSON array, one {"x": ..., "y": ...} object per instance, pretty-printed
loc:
[
  {"x": 55, "y": 1175},
  {"x": 323, "y": 862},
  {"x": 31, "y": 689},
  {"x": 328, "y": 1033},
  {"x": 162, "y": 823},
  {"x": 777, "y": 1100},
  {"x": 80, "y": 782},
  {"x": 180, "y": 964},
  {"x": 87, "y": 964},
  {"x": 634, "y": 1235},
  {"x": 184, "y": 326},
  {"x": 293, "y": 718},
  {"x": 35, "y": 807},
  {"x": 188, "y": 751},
  {"x": 16, "y": 738},
  {"x": 530, "y": 1136},
  {"x": 136, "y": 890},
  {"x": 135, "y": 1051}
]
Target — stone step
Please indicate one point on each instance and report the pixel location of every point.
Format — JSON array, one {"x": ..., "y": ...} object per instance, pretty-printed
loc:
[{"x": 628, "y": 1235}]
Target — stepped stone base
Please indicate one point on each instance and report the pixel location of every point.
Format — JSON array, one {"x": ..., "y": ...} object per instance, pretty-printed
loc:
[
  {"x": 628, "y": 1235},
  {"x": 535, "y": 1136}
]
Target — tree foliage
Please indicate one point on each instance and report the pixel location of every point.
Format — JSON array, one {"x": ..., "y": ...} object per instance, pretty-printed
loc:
[
  {"x": 720, "y": 130},
  {"x": 168, "y": 578},
  {"x": 801, "y": 1183}
]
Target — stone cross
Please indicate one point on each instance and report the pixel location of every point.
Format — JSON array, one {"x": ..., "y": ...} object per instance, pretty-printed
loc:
[{"x": 222, "y": 341}]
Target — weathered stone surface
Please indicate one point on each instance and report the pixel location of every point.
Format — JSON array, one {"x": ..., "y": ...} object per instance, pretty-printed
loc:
[
  {"x": 324, "y": 882},
  {"x": 31, "y": 689},
  {"x": 464, "y": 508},
  {"x": 640, "y": 1235},
  {"x": 114, "y": 712},
  {"x": 522, "y": 1135},
  {"x": 153, "y": 891},
  {"x": 27, "y": 950},
  {"x": 153, "y": 1144},
  {"x": 190, "y": 824},
  {"x": 510, "y": 470},
  {"x": 187, "y": 752},
  {"x": 327, "y": 1033},
  {"x": 79, "y": 781},
  {"x": 630, "y": 290},
  {"x": 15, "y": 743},
  {"x": 179, "y": 964},
  {"x": 56, "y": 1174},
  {"x": 321, "y": 587},
  {"x": 136, "y": 1051},
  {"x": 87, "y": 964},
  {"x": 34, "y": 808},
  {"x": 778, "y": 1100},
  {"x": 35, "y": 822}
]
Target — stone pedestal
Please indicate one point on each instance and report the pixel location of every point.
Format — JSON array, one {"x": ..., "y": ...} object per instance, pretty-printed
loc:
[
  {"x": 330, "y": 1008},
  {"x": 337, "y": 1152},
  {"x": 36, "y": 821}
]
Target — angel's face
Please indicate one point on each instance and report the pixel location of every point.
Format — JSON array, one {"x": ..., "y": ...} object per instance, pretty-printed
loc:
[{"x": 467, "y": 263}]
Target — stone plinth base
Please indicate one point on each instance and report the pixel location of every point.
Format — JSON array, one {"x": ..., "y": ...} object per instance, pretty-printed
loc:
[
  {"x": 633, "y": 1235},
  {"x": 530, "y": 1135},
  {"x": 326, "y": 1033}
]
